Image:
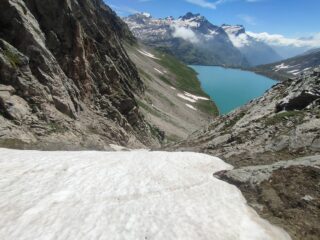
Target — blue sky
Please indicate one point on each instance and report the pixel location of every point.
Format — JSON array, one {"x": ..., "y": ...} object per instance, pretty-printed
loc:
[{"x": 291, "y": 18}]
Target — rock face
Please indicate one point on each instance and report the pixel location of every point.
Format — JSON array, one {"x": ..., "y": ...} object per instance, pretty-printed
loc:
[
  {"x": 66, "y": 78},
  {"x": 281, "y": 125}
]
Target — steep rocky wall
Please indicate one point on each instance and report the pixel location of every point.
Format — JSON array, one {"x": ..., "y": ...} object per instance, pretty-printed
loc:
[{"x": 65, "y": 75}]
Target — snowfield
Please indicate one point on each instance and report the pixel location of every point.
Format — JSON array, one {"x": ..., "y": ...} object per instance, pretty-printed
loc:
[{"x": 122, "y": 195}]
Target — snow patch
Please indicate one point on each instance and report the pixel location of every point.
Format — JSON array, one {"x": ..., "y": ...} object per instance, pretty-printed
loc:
[
  {"x": 196, "y": 97},
  {"x": 148, "y": 54},
  {"x": 186, "y": 98},
  {"x": 190, "y": 106},
  {"x": 191, "y": 98},
  {"x": 308, "y": 198},
  {"x": 158, "y": 71},
  {"x": 280, "y": 66},
  {"x": 123, "y": 195},
  {"x": 148, "y": 15},
  {"x": 173, "y": 88}
]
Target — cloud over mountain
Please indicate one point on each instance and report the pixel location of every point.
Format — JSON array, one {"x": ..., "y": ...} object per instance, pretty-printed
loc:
[
  {"x": 184, "y": 33},
  {"x": 280, "y": 40}
]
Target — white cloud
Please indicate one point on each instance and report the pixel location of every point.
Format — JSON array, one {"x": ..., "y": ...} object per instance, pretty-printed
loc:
[
  {"x": 280, "y": 40},
  {"x": 206, "y": 4},
  {"x": 184, "y": 33},
  {"x": 240, "y": 40}
]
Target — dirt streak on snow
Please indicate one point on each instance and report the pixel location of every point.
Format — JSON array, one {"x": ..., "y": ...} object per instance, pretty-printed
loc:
[{"x": 122, "y": 195}]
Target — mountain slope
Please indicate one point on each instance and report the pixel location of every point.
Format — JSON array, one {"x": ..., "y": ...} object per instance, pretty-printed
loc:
[
  {"x": 290, "y": 67},
  {"x": 66, "y": 80},
  {"x": 173, "y": 99},
  {"x": 191, "y": 38},
  {"x": 256, "y": 52},
  {"x": 282, "y": 124}
]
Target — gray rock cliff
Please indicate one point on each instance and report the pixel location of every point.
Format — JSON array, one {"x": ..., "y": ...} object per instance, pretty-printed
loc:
[{"x": 65, "y": 77}]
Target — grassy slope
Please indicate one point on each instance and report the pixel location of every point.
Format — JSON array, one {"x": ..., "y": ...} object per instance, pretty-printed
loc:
[{"x": 186, "y": 80}]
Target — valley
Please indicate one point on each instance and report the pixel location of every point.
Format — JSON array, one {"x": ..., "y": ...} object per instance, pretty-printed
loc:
[{"x": 142, "y": 127}]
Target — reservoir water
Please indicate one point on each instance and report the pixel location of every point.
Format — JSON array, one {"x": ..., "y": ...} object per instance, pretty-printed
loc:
[{"x": 231, "y": 88}]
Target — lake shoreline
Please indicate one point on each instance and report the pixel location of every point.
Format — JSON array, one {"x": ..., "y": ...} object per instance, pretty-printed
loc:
[{"x": 238, "y": 88}]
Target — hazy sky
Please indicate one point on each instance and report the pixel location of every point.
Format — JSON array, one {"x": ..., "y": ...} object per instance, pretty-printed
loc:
[{"x": 291, "y": 18}]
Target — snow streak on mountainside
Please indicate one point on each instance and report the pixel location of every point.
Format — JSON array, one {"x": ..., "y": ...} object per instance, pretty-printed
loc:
[
  {"x": 197, "y": 41},
  {"x": 122, "y": 195},
  {"x": 292, "y": 67}
]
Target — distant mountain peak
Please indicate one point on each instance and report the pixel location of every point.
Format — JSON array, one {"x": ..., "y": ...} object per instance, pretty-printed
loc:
[
  {"x": 190, "y": 15},
  {"x": 147, "y": 15},
  {"x": 234, "y": 29},
  {"x": 215, "y": 41}
]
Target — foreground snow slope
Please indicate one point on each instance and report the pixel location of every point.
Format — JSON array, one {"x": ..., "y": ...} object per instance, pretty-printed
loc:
[{"x": 122, "y": 195}]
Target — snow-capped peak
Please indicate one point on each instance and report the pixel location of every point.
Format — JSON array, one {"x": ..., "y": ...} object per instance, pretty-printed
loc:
[
  {"x": 234, "y": 29},
  {"x": 148, "y": 15}
]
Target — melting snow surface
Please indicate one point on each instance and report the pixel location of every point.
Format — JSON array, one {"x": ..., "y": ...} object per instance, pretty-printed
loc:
[{"x": 122, "y": 195}]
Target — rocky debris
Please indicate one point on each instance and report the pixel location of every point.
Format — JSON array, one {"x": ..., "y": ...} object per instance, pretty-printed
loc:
[
  {"x": 65, "y": 75},
  {"x": 302, "y": 94},
  {"x": 255, "y": 175},
  {"x": 267, "y": 129},
  {"x": 286, "y": 193}
]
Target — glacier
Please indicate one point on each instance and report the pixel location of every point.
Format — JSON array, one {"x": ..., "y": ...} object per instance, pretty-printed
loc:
[{"x": 123, "y": 195}]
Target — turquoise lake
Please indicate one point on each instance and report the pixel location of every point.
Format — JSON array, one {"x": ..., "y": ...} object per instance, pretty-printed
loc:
[{"x": 231, "y": 88}]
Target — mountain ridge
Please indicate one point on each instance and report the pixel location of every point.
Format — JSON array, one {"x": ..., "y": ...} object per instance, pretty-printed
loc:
[{"x": 195, "y": 40}]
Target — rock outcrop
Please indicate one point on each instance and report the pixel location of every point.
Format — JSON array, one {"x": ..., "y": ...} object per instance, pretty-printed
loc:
[
  {"x": 66, "y": 80},
  {"x": 286, "y": 193},
  {"x": 281, "y": 125}
]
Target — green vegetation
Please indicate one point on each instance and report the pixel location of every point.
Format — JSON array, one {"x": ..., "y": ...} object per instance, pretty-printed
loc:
[
  {"x": 186, "y": 80},
  {"x": 207, "y": 107},
  {"x": 283, "y": 116},
  {"x": 13, "y": 58},
  {"x": 144, "y": 74},
  {"x": 166, "y": 80}
]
